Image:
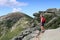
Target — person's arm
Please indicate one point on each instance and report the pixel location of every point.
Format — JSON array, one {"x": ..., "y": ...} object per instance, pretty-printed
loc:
[{"x": 41, "y": 20}]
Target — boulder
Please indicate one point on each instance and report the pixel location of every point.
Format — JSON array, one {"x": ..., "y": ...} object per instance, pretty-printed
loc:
[{"x": 53, "y": 34}]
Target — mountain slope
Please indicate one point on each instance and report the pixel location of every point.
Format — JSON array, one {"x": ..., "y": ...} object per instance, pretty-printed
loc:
[{"x": 17, "y": 27}]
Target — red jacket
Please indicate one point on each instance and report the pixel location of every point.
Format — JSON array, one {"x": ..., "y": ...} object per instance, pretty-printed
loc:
[{"x": 43, "y": 19}]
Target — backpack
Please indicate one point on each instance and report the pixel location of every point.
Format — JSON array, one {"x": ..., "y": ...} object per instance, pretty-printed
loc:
[{"x": 43, "y": 19}]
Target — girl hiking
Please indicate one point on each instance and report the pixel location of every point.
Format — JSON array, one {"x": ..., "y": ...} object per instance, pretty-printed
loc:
[{"x": 43, "y": 20}]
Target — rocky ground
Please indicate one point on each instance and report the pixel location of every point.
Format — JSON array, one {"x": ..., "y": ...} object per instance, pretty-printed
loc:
[
  {"x": 27, "y": 34},
  {"x": 50, "y": 34}
]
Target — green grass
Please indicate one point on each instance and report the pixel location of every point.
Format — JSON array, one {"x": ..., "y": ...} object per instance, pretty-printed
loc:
[
  {"x": 19, "y": 27},
  {"x": 9, "y": 35}
]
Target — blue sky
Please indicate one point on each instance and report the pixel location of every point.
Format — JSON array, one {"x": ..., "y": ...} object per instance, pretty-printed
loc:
[{"x": 27, "y": 6}]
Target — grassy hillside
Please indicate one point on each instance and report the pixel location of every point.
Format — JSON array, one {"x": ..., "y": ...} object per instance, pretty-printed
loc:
[{"x": 16, "y": 27}]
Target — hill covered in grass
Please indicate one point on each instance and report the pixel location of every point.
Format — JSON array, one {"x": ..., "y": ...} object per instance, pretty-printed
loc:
[{"x": 12, "y": 24}]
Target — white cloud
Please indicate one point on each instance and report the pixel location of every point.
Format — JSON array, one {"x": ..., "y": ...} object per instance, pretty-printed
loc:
[
  {"x": 2, "y": 2},
  {"x": 16, "y": 9},
  {"x": 12, "y": 3}
]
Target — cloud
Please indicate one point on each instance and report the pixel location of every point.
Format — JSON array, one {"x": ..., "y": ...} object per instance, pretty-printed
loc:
[
  {"x": 16, "y": 9},
  {"x": 12, "y": 3}
]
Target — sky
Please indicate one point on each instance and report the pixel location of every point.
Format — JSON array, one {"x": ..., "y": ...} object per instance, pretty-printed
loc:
[{"x": 27, "y": 6}]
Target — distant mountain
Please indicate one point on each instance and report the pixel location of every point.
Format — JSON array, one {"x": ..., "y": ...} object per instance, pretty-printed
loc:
[{"x": 13, "y": 22}]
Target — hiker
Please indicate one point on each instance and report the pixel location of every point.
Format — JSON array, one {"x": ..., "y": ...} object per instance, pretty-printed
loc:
[{"x": 42, "y": 19}]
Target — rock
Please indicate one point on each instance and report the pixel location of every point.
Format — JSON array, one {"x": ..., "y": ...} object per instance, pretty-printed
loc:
[
  {"x": 53, "y": 34},
  {"x": 27, "y": 34},
  {"x": 31, "y": 36}
]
